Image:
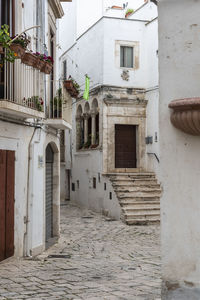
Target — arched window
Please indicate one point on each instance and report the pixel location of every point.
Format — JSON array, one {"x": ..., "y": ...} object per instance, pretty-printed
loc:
[{"x": 95, "y": 123}]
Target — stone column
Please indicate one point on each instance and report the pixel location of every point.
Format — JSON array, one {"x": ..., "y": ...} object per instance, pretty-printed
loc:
[
  {"x": 78, "y": 132},
  {"x": 86, "y": 116},
  {"x": 93, "y": 115}
]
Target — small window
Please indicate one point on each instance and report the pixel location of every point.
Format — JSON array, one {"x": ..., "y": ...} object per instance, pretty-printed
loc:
[
  {"x": 126, "y": 57},
  {"x": 105, "y": 186},
  {"x": 94, "y": 183},
  {"x": 73, "y": 187},
  {"x": 110, "y": 194},
  {"x": 64, "y": 70}
]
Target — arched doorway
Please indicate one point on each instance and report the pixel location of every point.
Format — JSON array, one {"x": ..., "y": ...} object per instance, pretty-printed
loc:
[{"x": 49, "y": 193}]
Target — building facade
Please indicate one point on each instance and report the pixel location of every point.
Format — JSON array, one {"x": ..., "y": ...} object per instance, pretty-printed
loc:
[
  {"x": 179, "y": 46},
  {"x": 31, "y": 117},
  {"x": 115, "y": 154}
]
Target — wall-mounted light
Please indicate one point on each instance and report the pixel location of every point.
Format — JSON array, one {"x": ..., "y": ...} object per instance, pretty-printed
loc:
[{"x": 149, "y": 140}]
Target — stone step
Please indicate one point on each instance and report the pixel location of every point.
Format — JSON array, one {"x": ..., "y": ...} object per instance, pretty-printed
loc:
[
  {"x": 144, "y": 189},
  {"x": 143, "y": 221},
  {"x": 132, "y": 177},
  {"x": 140, "y": 207},
  {"x": 153, "y": 194},
  {"x": 130, "y": 174},
  {"x": 131, "y": 202},
  {"x": 136, "y": 183},
  {"x": 139, "y": 197}
]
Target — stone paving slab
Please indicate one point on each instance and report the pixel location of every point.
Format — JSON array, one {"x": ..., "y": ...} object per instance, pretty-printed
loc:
[{"x": 102, "y": 260}]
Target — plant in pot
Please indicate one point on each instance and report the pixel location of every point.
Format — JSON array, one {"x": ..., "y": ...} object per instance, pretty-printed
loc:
[
  {"x": 29, "y": 59},
  {"x": 40, "y": 62},
  {"x": 19, "y": 44},
  {"x": 72, "y": 86},
  {"x": 38, "y": 103},
  {"x": 48, "y": 66},
  {"x": 6, "y": 53},
  {"x": 129, "y": 12}
]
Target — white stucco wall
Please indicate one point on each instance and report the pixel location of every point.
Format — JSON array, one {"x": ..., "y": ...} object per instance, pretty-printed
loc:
[
  {"x": 86, "y": 57},
  {"x": 179, "y": 42},
  {"x": 28, "y": 238}
]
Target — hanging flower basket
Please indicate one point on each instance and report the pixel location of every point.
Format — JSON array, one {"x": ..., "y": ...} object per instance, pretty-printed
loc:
[
  {"x": 69, "y": 85},
  {"x": 29, "y": 59},
  {"x": 18, "y": 49},
  {"x": 40, "y": 64},
  {"x": 47, "y": 67}
]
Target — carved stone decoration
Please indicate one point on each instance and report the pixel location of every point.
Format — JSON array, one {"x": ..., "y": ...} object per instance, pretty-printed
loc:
[
  {"x": 125, "y": 75},
  {"x": 186, "y": 115}
]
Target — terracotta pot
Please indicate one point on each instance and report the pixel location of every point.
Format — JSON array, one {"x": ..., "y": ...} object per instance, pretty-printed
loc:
[
  {"x": 68, "y": 84},
  {"x": 18, "y": 49},
  {"x": 40, "y": 64},
  {"x": 29, "y": 59},
  {"x": 186, "y": 115},
  {"x": 47, "y": 68}
]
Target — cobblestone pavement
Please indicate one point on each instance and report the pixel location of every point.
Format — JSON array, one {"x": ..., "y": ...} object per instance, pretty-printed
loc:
[{"x": 101, "y": 259}]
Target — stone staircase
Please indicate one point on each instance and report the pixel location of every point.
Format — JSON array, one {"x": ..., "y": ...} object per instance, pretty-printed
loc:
[{"x": 139, "y": 197}]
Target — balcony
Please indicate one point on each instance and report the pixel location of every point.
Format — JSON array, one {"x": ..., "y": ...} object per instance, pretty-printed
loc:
[
  {"x": 21, "y": 91},
  {"x": 59, "y": 111}
]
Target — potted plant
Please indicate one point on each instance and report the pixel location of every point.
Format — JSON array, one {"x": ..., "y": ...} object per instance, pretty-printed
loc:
[
  {"x": 48, "y": 66},
  {"x": 7, "y": 53},
  {"x": 39, "y": 62},
  {"x": 29, "y": 59},
  {"x": 72, "y": 86},
  {"x": 129, "y": 12},
  {"x": 19, "y": 45}
]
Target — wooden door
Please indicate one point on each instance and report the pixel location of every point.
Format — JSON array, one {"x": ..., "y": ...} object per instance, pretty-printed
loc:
[
  {"x": 7, "y": 188},
  {"x": 125, "y": 146}
]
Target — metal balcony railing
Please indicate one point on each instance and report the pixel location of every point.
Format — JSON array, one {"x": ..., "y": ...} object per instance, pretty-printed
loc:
[{"x": 22, "y": 85}]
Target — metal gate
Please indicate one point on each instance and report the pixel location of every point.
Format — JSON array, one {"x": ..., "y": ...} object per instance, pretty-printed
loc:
[
  {"x": 7, "y": 191},
  {"x": 49, "y": 192},
  {"x": 125, "y": 146}
]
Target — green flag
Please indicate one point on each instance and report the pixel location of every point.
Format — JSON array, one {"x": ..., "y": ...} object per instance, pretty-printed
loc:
[{"x": 87, "y": 88}]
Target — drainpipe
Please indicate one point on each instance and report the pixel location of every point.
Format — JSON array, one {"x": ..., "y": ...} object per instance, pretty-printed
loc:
[
  {"x": 154, "y": 1},
  {"x": 26, "y": 218}
]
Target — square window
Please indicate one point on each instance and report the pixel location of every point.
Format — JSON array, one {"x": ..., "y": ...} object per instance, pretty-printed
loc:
[{"x": 126, "y": 57}]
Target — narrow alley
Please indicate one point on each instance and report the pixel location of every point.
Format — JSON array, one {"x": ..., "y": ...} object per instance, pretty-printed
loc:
[{"x": 96, "y": 258}]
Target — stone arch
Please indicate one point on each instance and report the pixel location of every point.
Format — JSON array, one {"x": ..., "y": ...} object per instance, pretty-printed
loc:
[
  {"x": 95, "y": 105},
  {"x": 87, "y": 108},
  {"x": 79, "y": 111}
]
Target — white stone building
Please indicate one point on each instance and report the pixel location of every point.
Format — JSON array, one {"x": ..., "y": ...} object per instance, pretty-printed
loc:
[
  {"x": 29, "y": 134},
  {"x": 179, "y": 69},
  {"x": 115, "y": 153}
]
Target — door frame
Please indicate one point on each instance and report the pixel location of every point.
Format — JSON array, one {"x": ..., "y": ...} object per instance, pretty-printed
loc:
[{"x": 136, "y": 144}]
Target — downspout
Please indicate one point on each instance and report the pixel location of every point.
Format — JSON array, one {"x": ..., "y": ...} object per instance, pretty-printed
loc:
[
  {"x": 155, "y": 2},
  {"x": 26, "y": 218}
]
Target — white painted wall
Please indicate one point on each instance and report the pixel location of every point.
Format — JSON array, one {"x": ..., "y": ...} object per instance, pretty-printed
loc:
[
  {"x": 86, "y": 57},
  {"x": 179, "y": 67}
]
